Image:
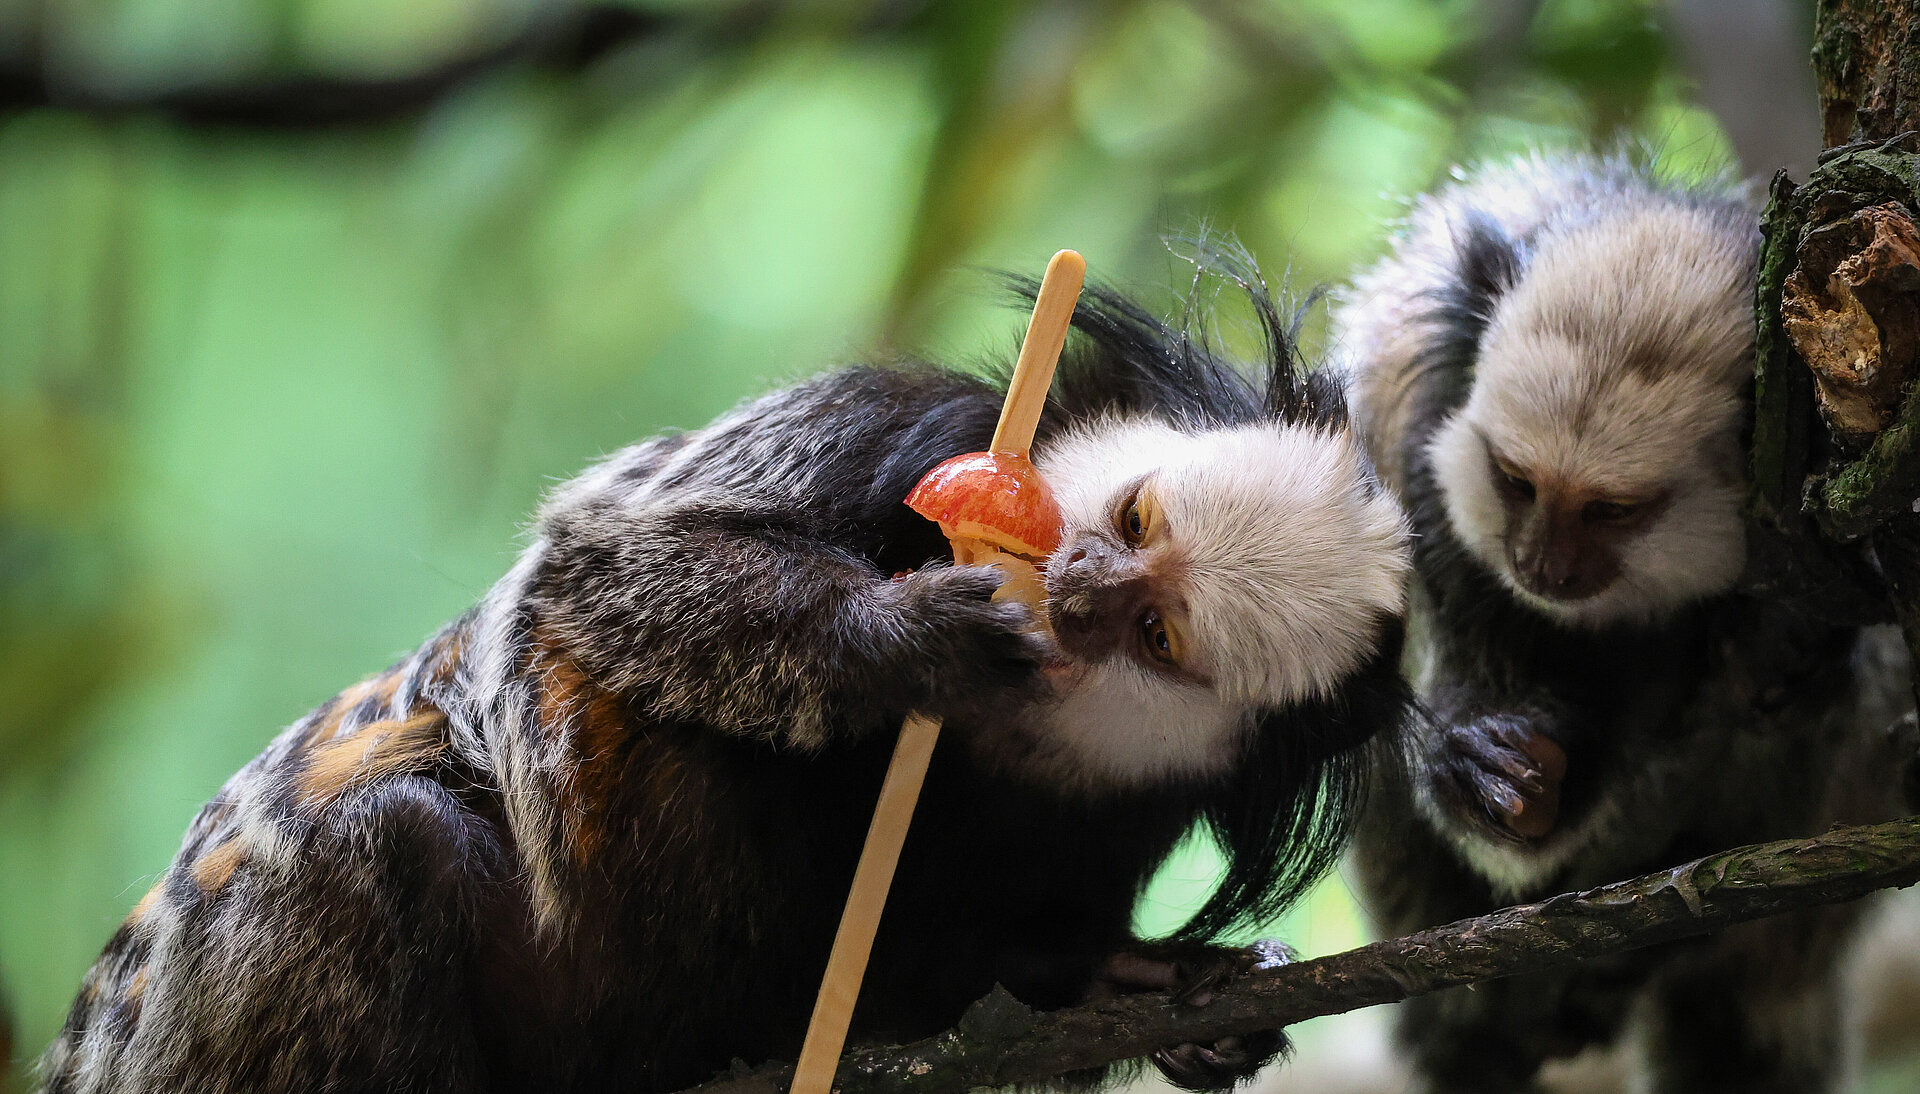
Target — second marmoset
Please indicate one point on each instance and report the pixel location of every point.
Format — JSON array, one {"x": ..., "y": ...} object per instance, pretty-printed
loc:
[
  {"x": 1552, "y": 368},
  {"x": 596, "y": 833}
]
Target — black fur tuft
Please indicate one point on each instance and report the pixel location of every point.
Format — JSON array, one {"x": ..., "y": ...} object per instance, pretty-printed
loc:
[
  {"x": 1126, "y": 361},
  {"x": 1298, "y": 798}
]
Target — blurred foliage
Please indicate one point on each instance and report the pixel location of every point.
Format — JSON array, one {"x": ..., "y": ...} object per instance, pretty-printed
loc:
[{"x": 304, "y": 302}]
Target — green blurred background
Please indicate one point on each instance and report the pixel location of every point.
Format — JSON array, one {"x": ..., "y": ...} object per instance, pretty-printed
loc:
[{"x": 304, "y": 302}]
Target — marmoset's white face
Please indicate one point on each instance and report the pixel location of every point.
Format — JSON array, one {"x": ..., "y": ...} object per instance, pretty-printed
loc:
[
  {"x": 1596, "y": 464},
  {"x": 1206, "y": 576}
]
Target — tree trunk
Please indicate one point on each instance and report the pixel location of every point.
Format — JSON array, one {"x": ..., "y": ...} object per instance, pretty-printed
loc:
[
  {"x": 1866, "y": 55},
  {"x": 1836, "y": 458}
]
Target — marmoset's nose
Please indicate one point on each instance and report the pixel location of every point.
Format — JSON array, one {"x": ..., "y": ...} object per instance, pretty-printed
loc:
[{"x": 1094, "y": 594}]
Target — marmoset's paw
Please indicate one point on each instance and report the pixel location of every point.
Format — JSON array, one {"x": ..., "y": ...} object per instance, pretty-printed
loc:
[
  {"x": 1190, "y": 974},
  {"x": 961, "y": 649},
  {"x": 1221, "y": 1064},
  {"x": 1498, "y": 774}
]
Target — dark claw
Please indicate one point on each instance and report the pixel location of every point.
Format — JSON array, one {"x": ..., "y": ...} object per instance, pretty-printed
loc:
[
  {"x": 1220, "y": 1065},
  {"x": 966, "y": 652}
]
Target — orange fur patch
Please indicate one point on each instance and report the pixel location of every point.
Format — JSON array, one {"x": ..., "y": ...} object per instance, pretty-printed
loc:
[
  {"x": 376, "y": 691},
  {"x": 212, "y": 869},
  {"x": 145, "y": 906},
  {"x": 336, "y": 717},
  {"x": 445, "y": 663},
  {"x": 594, "y": 723},
  {"x": 137, "y": 986},
  {"x": 364, "y": 754}
]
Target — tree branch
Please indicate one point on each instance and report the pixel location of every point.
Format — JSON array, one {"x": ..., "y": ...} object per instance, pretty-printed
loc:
[
  {"x": 1001, "y": 1041},
  {"x": 299, "y": 100}
]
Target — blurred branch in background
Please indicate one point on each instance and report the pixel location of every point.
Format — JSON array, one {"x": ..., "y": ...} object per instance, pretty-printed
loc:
[
  {"x": 564, "y": 42},
  {"x": 1211, "y": 99}
]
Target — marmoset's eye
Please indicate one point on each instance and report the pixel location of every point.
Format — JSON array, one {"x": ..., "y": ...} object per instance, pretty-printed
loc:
[
  {"x": 1513, "y": 482},
  {"x": 1137, "y": 518},
  {"x": 1608, "y": 512},
  {"x": 1159, "y": 639}
]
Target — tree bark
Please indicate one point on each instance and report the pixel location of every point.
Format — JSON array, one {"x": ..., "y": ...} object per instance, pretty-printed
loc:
[
  {"x": 1001, "y": 1041},
  {"x": 1866, "y": 55},
  {"x": 1836, "y": 446}
]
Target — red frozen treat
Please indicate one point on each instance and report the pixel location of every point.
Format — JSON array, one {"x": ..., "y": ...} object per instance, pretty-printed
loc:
[{"x": 995, "y": 500}]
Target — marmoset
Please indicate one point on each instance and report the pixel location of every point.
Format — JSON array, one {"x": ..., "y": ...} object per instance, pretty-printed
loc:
[
  {"x": 1552, "y": 368},
  {"x": 596, "y": 833}
]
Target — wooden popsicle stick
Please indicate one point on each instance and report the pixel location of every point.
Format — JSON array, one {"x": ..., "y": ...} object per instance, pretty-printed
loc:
[
  {"x": 1040, "y": 352},
  {"x": 840, "y": 987},
  {"x": 860, "y": 921}
]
